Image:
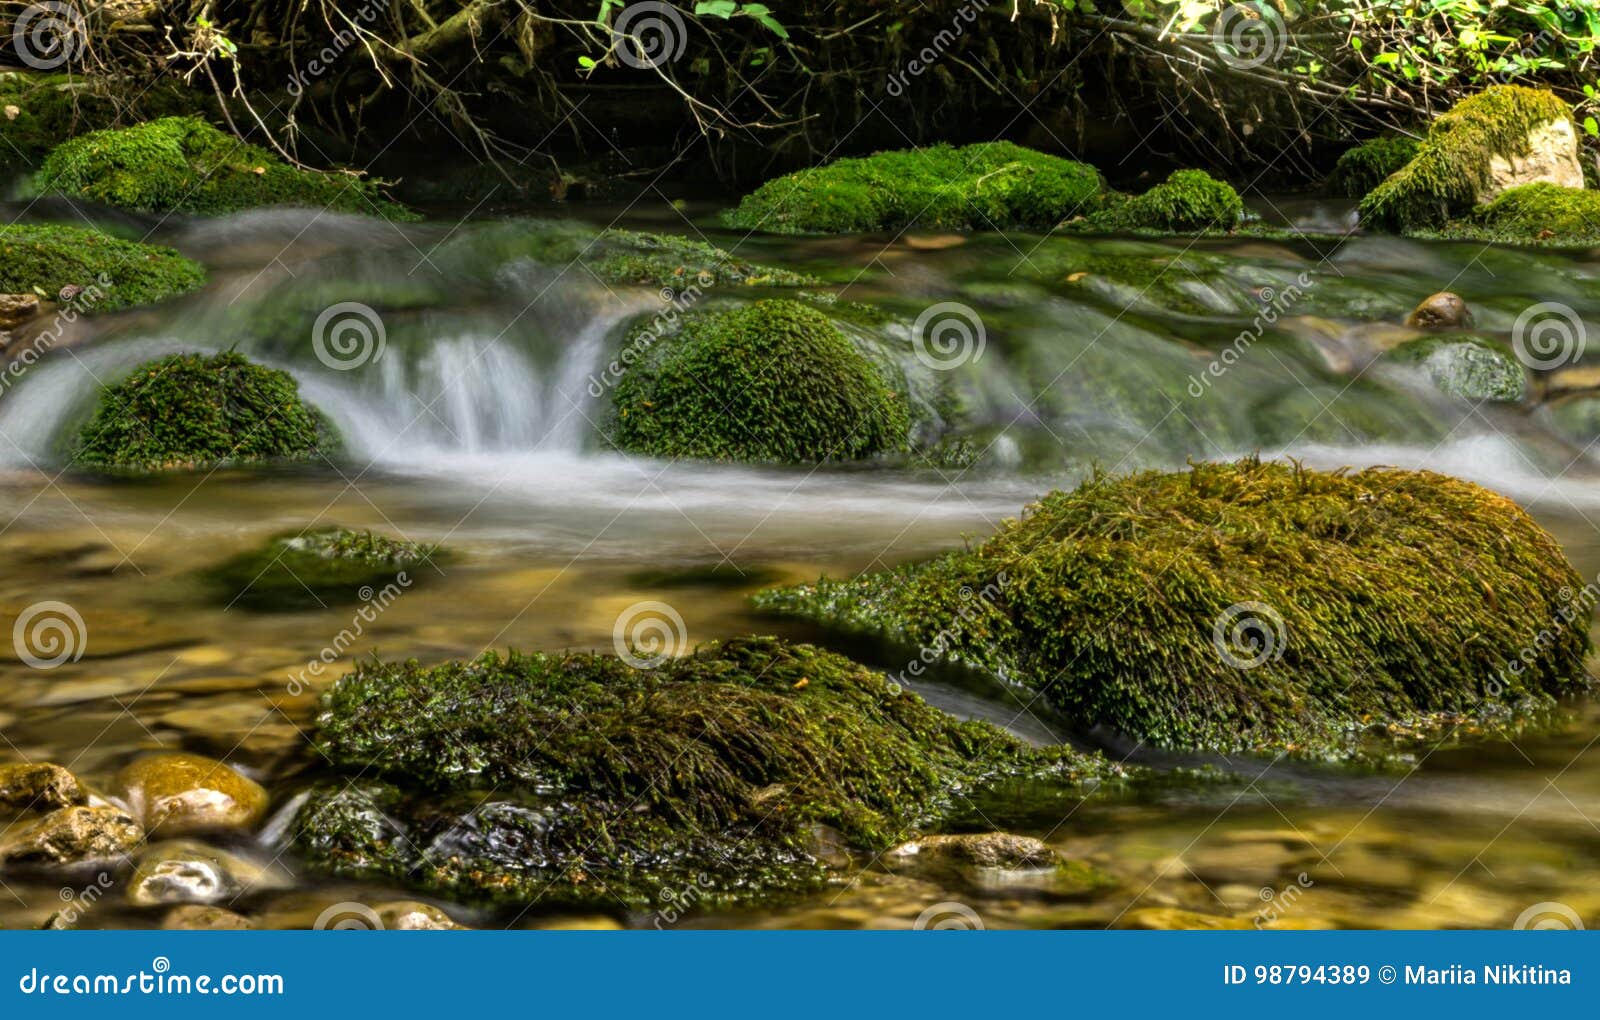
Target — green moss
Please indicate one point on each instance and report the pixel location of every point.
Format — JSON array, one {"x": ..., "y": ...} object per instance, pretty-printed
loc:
[
  {"x": 1451, "y": 168},
  {"x": 44, "y": 259},
  {"x": 1536, "y": 212},
  {"x": 988, "y": 186},
  {"x": 774, "y": 381},
  {"x": 319, "y": 566},
  {"x": 1384, "y": 598},
  {"x": 186, "y": 165},
  {"x": 192, "y": 411},
  {"x": 1364, "y": 167},
  {"x": 1471, "y": 368},
  {"x": 1189, "y": 201},
  {"x": 581, "y": 776}
]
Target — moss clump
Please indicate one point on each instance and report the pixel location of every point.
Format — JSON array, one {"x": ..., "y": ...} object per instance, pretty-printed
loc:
[
  {"x": 1249, "y": 606},
  {"x": 589, "y": 777},
  {"x": 193, "y": 411},
  {"x": 319, "y": 566},
  {"x": 988, "y": 186},
  {"x": 1536, "y": 212},
  {"x": 113, "y": 273},
  {"x": 1451, "y": 168},
  {"x": 1471, "y": 368},
  {"x": 774, "y": 381},
  {"x": 1189, "y": 201},
  {"x": 184, "y": 164},
  {"x": 1364, "y": 167}
]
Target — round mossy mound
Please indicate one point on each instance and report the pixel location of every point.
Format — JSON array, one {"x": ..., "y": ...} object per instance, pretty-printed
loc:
[
  {"x": 1536, "y": 213},
  {"x": 987, "y": 186},
  {"x": 318, "y": 567},
  {"x": 1365, "y": 166},
  {"x": 1250, "y": 606},
  {"x": 184, "y": 164},
  {"x": 1188, "y": 201},
  {"x": 719, "y": 764},
  {"x": 773, "y": 381},
  {"x": 109, "y": 272},
  {"x": 190, "y": 411}
]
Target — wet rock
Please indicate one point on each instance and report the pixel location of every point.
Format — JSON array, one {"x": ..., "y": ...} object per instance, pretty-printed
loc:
[
  {"x": 72, "y": 835},
  {"x": 17, "y": 309},
  {"x": 1443, "y": 310},
  {"x": 178, "y": 794},
  {"x": 413, "y": 915},
  {"x": 39, "y": 787},
  {"x": 184, "y": 871},
  {"x": 984, "y": 850},
  {"x": 1470, "y": 368},
  {"x": 196, "y": 917},
  {"x": 1178, "y": 919}
]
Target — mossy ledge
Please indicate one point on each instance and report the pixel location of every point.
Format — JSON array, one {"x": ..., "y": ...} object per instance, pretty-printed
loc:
[
  {"x": 1249, "y": 607},
  {"x": 773, "y": 381},
  {"x": 1187, "y": 202},
  {"x": 192, "y": 411},
  {"x": 45, "y": 259},
  {"x": 580, "y": 776},
  {"x": 318, "y": 566},
  {"x": 1452, "y": 166},
  {"x": 1365, "y": 166},
  {"x": 183, "y": 164},
  {"x": 987, "y": 186},
  {"x": 1542, "y": 213}
]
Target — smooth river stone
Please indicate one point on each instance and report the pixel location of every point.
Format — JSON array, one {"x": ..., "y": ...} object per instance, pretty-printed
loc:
[
  {"x": 178, "y": 794},
  {"x": 39, "y": 787},
  {"x": 72, "y": 835}
]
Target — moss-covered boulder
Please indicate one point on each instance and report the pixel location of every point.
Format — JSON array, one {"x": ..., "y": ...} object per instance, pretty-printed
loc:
[
  {"x": 183, "y": 164},
  {"x": 192, "y": 411},
  {"x": 1505, "y": 136},
  {"x": 579, "y": 776},
  {"x": 1363, "y": 167},
  {"x": 104, "y": 272},
  {"x": 318, "y": 567},
  {"x": 1188, "y": 201},
  {"x": 1472, "y": 368},
  {"x": 773, "y": 381},
  {"x": 988, "y": 186},
  {"x": 1536, "y": 213},
  {"x": 1248, "y": 606}
]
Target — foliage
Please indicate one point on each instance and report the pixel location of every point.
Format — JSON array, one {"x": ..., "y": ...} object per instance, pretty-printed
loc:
[
  {"x": 772, "y": 381},
  {"x": 314, "y": 567},
  {"x": 1365, "y": 166},
  {"x": 192, "y": 411},
  {"x": 113, "y": 273},
  {"x": 1381, "y": 598}
]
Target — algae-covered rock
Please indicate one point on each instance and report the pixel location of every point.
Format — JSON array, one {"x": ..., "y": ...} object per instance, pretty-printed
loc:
[
  {"x": 988, "y": 186},
  {"x": 1504, "y": 136},
  {"x": 1472, "y": 368},
  {"x": 191, "y": 411},
  {"x": 1541, "y": 212},
  {"x": 103, "y": 272},
  {"x": 579, "y": 776},
  {"x": 179, "y": 794},
  {"x": 1248, "y": 606},
  {"x": 319, "y": 566},
  {"x": 1365, "y": 166},
  {"x": 39, "y": 786},
  {"x": 184, "y": 164},
  {"x": 773, "y": 381},
  {"x": 70, "y": 836},
  {"x": 1189, "y": 201}
]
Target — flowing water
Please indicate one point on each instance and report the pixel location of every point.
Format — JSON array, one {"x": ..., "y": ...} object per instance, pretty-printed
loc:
[{"x": 479, "y": 427}]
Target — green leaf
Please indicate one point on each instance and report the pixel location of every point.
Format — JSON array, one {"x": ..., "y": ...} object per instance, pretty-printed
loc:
[
  {"x": 723, "y": 9},
  {"x": 587, "y": 63},
  {"x": 1591, "y": 127}
]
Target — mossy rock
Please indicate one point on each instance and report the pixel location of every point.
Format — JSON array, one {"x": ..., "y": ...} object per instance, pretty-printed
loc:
[
  {"x": 988, "y": 186},
  {"x": 1452, "y": 172},
  {"x": 1536, "y": 213},
  {"x": 1365, "y": 166},
  {"x": 193, "y": 411},
  {"x": 1188, "y": 201},
  {"x": 1249, "y": 606},
  {"x": 319, "y": 567},
  {"x": 183, "y": 164},
  {"x": 111, "y": 273},
  {"x": 1471, "y": 368},
  {"x": 578, "y": 776},
  {"x": 774, "y": 381}
]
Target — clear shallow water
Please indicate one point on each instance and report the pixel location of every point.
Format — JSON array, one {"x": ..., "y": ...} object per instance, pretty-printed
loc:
[{"x": 478, "y": 428}]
